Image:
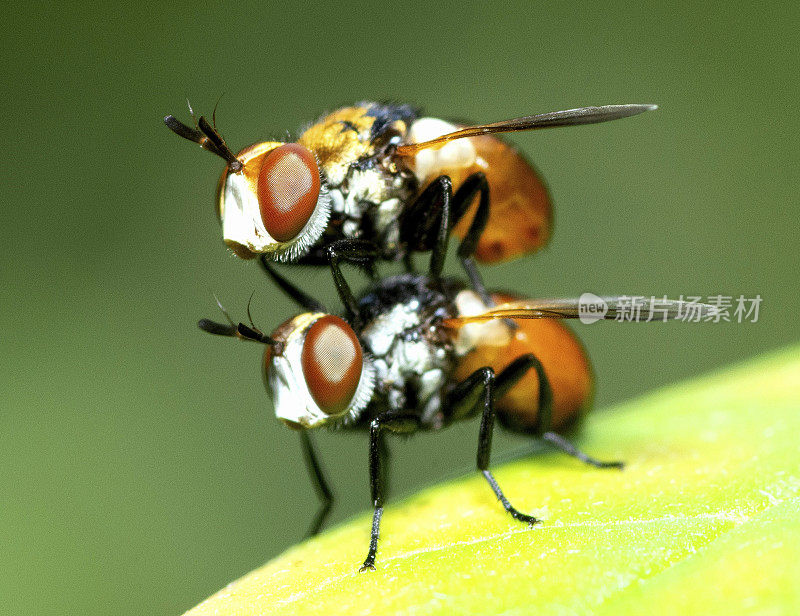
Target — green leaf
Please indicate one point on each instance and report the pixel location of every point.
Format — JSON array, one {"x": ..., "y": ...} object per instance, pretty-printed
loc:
[{"x": 705, "y": 519}]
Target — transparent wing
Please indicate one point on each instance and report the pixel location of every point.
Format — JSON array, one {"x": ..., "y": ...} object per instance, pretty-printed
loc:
[
  {"x": 634, "y": 308},
  {"x": 568, "y": 117}
]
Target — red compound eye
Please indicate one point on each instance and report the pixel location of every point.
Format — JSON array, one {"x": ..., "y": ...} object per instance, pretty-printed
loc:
[
  {"x": 288, "y": 189},
  {"x": 332, "y": 363}
]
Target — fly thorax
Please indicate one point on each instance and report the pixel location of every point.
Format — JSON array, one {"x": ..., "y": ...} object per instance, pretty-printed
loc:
[
  {"x": 405, "y": 359},
  {"x": 375, "y": 194}
]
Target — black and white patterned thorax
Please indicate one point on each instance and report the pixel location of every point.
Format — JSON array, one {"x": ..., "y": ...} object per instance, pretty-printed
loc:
[
  {"x": 369, "y": 203},
  {"x": 412, "y": 358}
]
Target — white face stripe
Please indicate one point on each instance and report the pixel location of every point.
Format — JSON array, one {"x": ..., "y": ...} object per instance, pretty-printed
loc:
[
  {"x": 333, "y": 352},
  {"x": 289, "y": 181}
]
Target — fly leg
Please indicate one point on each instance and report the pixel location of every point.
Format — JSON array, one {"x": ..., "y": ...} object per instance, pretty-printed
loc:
[
  {"x": 358, "y": 252},
  {"x": 392, "y": 423},
  {"x": 385, "y": 454},
  {"x": 429, "y": 221},
  {"x": 474, "y": 184},
  {"x": 508, "y": 377},
  {"x": 320, "y": 483},
  {"x": 426, "y": 224},
  {"x": 559, "y": 442},
  {"x": 304, "y": 300},
  {"x": 477, "y": 391}
]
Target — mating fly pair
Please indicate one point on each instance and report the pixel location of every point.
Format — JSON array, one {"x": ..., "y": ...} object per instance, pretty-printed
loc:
[
  {"x": 379, "y": 182},
  {"x": 414, "y": 352}
]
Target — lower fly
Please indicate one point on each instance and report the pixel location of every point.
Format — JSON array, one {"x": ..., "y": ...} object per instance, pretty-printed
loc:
[{"x": 419, "y": 353}]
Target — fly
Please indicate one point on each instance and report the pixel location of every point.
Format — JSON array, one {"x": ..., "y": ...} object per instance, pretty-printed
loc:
[{"x": 379, "y": 182}]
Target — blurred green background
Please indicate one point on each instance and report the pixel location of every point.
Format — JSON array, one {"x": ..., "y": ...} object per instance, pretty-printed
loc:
[{"x": 141, "y": 467}]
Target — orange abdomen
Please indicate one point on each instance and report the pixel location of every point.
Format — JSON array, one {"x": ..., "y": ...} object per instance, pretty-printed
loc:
[
  {"x": 520, "y": 218},
  {"x": 565, "y": 364}
]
